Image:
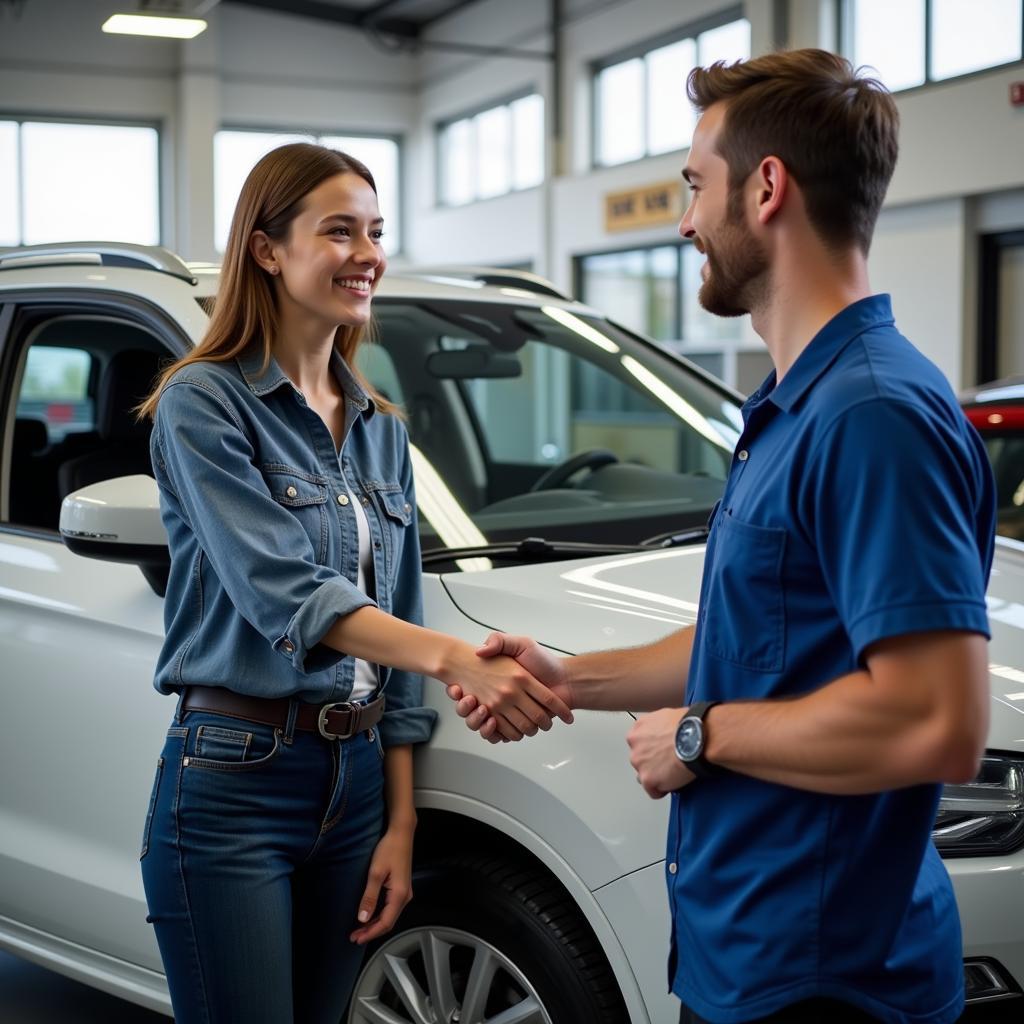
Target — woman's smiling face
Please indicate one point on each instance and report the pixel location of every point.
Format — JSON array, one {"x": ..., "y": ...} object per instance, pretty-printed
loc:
[{"x": 332, "y": 259}]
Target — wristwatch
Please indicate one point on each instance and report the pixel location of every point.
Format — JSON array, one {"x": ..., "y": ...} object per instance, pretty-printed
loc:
[{"x": 691, "y": 739}]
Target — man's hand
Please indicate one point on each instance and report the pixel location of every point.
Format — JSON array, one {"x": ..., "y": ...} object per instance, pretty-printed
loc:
[
  {"x": 544, "y": 666},
  {"x": 508, "y": 699},
  {"x": 652, "y": 753}
]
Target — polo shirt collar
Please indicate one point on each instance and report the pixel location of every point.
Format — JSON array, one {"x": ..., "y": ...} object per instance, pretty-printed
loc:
[
  {"x": 264, "y": 380},
  {"x": 825, "y": 347}
]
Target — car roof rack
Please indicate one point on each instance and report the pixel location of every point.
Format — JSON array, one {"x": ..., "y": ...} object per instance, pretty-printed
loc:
[
  {"x": 521, "y": 279},
  {"x": 108, "y": 254}
]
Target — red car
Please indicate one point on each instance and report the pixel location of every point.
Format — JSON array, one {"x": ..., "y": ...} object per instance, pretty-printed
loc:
[{"x": 997, "y": 411}]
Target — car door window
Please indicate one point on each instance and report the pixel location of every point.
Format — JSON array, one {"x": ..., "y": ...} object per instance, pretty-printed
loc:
[{"x": 80, "y": 376}]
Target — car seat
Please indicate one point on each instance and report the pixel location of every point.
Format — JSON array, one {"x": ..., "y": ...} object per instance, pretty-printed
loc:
[{"x": 123, "y": 440}]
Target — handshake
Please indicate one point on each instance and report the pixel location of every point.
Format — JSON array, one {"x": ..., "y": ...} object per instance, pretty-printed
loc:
[
  {"x": 512, "y": 687},
  {"x": 517, "y": 689}
]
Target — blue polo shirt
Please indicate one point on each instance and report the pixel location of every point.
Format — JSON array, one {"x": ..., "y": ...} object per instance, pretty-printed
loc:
[{"x": 859, "y": 506}]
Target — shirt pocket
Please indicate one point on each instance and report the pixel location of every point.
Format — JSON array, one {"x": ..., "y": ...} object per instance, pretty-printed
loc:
[
  {"x": 395, "y": 515},
  {"x": 305, "y": 496},
  {"x": 745, "y": 607}
]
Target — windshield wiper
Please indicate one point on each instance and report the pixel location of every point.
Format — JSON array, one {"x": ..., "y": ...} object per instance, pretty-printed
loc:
[
  {"x": 531, "y": 549},
  {"x": 677, "y": 539}
]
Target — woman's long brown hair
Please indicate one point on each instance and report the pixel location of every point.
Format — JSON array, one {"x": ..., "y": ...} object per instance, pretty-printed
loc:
[{"x": 245, "y": 311}]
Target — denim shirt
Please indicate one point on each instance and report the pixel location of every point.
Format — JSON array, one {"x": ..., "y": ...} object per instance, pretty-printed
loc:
[{"x": 263, "y": 537}]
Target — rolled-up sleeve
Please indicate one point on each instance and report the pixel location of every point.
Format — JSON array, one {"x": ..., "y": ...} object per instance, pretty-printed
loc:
[
  {"x": 405, "y": 719},
  {"x": 206, "y": 467}
]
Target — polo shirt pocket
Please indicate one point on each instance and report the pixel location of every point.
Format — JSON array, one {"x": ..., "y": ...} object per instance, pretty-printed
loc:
[
  {"x": 305, "y": 496},
  {"x": 745, "y": 604}
]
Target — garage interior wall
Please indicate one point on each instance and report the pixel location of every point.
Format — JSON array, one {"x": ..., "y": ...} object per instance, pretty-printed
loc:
[{"x": 961, "y": 168}]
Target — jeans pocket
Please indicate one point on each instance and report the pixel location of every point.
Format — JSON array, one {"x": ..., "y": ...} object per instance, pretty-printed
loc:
[
  {"x": 216, "y": 744},
  {"x": 232, "y": 750},
  {"x": 148, "y": 827}
]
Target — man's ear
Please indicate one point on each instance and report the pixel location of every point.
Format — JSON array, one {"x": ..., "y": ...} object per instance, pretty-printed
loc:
[
  {"x": 263, "y": 251},
  {"x": 772, "y": 185}
]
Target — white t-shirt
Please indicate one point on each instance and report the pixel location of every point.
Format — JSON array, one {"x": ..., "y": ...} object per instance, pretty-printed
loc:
[{"x": 366, "y": 674}]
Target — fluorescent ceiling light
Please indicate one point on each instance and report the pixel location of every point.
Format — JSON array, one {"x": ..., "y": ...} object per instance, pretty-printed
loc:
[{"x": 165, "y": 25}]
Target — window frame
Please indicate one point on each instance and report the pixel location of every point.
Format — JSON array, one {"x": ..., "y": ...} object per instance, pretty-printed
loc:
[
  {"x": 990, "y": 249},
  {"x": 729, "y": 350},
  {"x": 844, "y": 33},
  {"x": 691, "y": 30},
  {"x": 469, "y": 114},
  {"x": 156, "y": 125},
  {"x": 19, "y": 307},
  {"x": 316, "y": 135}
]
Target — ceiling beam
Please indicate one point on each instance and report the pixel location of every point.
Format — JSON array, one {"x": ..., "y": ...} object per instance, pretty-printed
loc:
[
  {"x": 410, "y": 32},
  {"x": 319, "y": 11}
]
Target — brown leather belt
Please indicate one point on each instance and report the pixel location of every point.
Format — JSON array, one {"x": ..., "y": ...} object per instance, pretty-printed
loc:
[{"x": 337, "y": 721}]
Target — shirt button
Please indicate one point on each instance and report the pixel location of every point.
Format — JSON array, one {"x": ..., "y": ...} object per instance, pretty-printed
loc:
[
  {"x": 365, "y": 500},
  {"x": 743, "y": 455},
  {"x": 408, "y": 507},
  {"x": 292, "y": 493},
  {"x": 288, "y": 647},
  {"x": 672, "y": 868},
  {"x": 342, "y": 499}
]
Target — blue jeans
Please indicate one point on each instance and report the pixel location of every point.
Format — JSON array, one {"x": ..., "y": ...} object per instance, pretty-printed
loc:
[{"x": 254, "y": 858}]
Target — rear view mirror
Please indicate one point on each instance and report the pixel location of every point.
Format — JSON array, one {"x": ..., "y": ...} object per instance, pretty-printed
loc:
[
  {"x": 473, "y": 362},
  {"x": 119, "y": 521}
]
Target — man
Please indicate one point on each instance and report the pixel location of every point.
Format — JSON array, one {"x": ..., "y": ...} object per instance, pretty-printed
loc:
[{"x": 837, "y": 673}]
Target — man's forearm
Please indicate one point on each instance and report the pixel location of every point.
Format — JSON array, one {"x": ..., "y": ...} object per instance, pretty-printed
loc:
[{"x": 633, "y": 679}]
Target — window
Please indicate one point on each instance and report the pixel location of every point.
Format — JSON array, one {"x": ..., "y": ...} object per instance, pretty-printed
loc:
[
  {"x": 640, "y": 97},
  {"x": 54, "y": 390},
  {"x": 654, "y": 291},
  {"x": 81, "y": 374},
  {"x": 67, "y": 181},
  {"x": 493, "y": 152},
  {"x": 236, "y": 152},
  {"x": 911, "y": 42}
]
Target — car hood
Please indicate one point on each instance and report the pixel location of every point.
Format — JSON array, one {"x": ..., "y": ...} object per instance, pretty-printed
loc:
[
  {"x": 625, "y": 600},
  {"x": 586, "y": 604}
]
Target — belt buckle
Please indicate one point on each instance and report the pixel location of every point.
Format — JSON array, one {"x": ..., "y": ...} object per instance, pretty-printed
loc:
[{"x": 321, "y": 720}]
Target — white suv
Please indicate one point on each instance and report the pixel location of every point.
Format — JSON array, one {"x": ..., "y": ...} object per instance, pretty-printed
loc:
[{"x": 565, "y": 468}]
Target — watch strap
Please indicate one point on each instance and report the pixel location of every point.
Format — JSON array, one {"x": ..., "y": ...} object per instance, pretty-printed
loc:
[{"x": 701, "y": 767}]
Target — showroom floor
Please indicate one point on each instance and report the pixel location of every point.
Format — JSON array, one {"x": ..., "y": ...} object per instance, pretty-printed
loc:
[{"x": 34, "y": 995}]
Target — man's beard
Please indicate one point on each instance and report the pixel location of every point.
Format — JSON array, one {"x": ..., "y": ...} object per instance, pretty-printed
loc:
[{"x": 737, "y": 266}]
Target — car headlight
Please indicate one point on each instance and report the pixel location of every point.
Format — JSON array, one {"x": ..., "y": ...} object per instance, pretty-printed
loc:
[{"x": 985, "y": 816}]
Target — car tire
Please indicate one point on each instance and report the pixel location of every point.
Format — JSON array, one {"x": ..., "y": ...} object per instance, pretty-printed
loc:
[{"x": 507, "y": 914}]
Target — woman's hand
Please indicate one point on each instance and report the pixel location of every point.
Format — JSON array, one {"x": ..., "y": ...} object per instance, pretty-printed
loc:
[
  {"x": 391, "y": 874},
  {"x": 549, "y": 669},
  {"x": 513, "y": 697}
]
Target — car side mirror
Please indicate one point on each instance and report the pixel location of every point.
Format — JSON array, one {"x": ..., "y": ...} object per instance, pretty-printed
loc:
[{"x": 119, "y": 521}]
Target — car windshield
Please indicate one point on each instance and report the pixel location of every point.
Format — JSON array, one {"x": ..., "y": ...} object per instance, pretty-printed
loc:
[{"x": 546, "y": 422}]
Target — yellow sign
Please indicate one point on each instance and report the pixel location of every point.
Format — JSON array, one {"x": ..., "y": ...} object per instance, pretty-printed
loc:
[{"x": 644, "y": 207}]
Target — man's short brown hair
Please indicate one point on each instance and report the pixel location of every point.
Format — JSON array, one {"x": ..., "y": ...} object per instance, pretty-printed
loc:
[{"x": 833, "y": 129}]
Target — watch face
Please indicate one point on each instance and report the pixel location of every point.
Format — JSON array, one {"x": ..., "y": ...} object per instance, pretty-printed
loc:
[{"x": 689, "y": 739}]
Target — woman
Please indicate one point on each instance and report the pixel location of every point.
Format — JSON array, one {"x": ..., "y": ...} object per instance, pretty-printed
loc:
[{"x": 279, "y": 836}]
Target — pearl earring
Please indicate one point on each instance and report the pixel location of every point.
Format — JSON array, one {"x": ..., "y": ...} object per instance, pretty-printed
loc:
[{"x": 273, "y": 270}]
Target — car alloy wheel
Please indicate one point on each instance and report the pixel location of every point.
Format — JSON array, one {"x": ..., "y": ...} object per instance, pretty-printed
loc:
[{"x": 435, "y": 975}]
